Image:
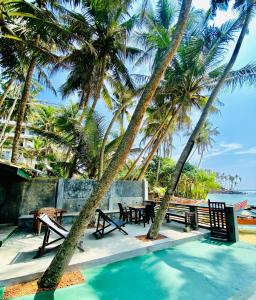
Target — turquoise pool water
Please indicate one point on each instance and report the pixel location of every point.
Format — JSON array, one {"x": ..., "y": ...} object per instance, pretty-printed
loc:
[{"x": 195, "y": 270}]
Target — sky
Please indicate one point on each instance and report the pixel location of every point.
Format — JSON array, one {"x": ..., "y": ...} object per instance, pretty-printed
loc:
[{"x": 234, "y": 151}]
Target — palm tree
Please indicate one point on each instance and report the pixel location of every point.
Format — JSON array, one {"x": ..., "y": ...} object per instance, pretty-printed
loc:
[
  {"x": 7, "y": 88},
  {"x": 205, "y": 139},
  {"x": 54, "y": 272},
  {"x": 154, "y": 229},
  {"x": 122, "y": 100},
  {"x": 34, "y": 33},
  {"x": 195, "y": 69},
  {"x": 102, "y": 32},
  {"x": 76, "y": 143}
]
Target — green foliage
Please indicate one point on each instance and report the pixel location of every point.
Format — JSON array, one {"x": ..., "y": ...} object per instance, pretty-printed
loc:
[
  {"x": 194, "y": 183},
  {"x": 96, "y": 45}
]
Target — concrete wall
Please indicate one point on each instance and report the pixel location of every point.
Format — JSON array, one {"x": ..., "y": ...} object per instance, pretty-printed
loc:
[
  {"x": 10, "y": 199},
  {"x": 73, "y": 193},
  {"x": 20, "y": 198},
  {"x": 37, "y": 193}
]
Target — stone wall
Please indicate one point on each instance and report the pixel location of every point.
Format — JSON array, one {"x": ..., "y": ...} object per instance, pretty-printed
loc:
[
  {"x": 37, "y": 193},
  {"x": 20, "y": 198},
  {"x": 72, "y": 193}
]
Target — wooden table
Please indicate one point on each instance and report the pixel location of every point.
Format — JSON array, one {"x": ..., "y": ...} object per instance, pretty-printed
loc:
[
  {"x": 59, "y": 214},
  {"x": 138, "y": 209}
]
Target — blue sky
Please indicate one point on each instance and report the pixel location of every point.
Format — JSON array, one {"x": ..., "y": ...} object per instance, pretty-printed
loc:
[{"x": 234, "y": 151}]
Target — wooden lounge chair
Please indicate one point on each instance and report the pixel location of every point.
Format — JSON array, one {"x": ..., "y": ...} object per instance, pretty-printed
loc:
[
  {"x": 107, "y": 222},
  {"x": 52, "y": 226}
]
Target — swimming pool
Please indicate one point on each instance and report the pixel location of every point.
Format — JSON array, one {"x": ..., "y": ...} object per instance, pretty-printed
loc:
[{"x": 195, "y": 270}]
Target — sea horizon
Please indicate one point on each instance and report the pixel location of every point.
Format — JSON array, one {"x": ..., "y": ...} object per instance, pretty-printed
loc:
[{"x": 250, "y": 196}]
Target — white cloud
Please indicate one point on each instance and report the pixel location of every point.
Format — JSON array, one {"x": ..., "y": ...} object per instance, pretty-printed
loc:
[
  {"x": 251, "y": 150},
  {"x": 223, "y": 148},
  {"x": 231, "y": 146}
]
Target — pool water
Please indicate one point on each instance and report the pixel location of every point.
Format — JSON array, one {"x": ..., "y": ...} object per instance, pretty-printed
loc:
[{"x": 195, "y": 270}]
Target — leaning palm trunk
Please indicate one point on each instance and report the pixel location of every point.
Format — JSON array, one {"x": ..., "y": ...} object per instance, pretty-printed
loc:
[
  {"x": 147, "y": 161},
  {"x": 6, "y": 91},
  {"x": 59, "y": 263},
  {"x": 155, "y": 227},
  {"x": 158, "y": 166},
  {"x": 149, "y": 144},
  {"x": 6, "y": 136},
  {"x": 200, "y": 160},
  {"x": 104, "y": 142},
  {"x": 156, "y": 145},
  {"x": 22, "y": 110},
  {"x": 7, "y": 121}
]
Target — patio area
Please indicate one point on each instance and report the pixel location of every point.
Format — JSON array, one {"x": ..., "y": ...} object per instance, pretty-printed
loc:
[{"x": 18, "y": 251}]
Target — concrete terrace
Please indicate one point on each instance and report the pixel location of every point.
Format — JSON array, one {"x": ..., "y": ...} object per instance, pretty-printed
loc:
[{"x": 17, "y": 263}]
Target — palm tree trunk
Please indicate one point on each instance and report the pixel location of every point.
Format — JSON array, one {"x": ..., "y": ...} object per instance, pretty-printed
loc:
[
  {"x": 200, "y": 160},
  {"x": 8, "y": 120},
  {"x": 6, "y": 136},
  {"x": 101, "y": 80},
  {"x": 54, "y": 272},
  {"x": 22, "y": 110},
  {"x": 150, "y": 142},
  {"x": 158, "y": 167},
  {"x": 84, "y": 100},
  {"x": 83, "y": 105},
  {"x": 156, "y": 145},
  {"x": 155, "y": 227},
  {"x": 104, "y": 142},
  {"x": 192, "y": 154},
  {"x": 72, "y": 168},
  {"x": 6, "y": 91}
]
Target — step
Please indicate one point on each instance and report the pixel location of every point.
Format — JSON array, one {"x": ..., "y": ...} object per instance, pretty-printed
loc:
[{"x": 6, "y": 230}]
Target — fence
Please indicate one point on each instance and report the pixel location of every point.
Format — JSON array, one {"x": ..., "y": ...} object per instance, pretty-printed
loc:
[{"x": 177, "y": 213}]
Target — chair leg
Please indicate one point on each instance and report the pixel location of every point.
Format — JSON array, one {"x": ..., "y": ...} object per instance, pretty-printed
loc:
[
  {"x": 39, "y": 228},
  {"x": 45, "y": 241}
]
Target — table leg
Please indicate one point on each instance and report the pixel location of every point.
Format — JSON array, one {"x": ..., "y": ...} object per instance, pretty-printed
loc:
[
  {"x": 136, "y": 216},
  {"x": 139, "y": 216}
]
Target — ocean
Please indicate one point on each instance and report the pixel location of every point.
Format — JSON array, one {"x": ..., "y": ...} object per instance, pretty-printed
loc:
[{"x": 250, "y": 196}]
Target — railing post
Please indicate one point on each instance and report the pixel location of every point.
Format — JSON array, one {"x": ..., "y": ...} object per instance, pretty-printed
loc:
[
  {"x": 232, "y": 227},
  {"x": 193, "y": 209}
]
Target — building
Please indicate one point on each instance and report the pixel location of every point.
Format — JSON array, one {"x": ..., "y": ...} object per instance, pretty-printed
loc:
[{"x": 26, "y": 142}]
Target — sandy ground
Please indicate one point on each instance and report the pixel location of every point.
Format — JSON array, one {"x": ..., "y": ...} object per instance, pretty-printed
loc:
[{"x": 247, "y": 236}]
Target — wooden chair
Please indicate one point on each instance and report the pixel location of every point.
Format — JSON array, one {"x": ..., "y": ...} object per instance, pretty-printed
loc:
[
  {"x": 148, "y": 214},
  {"x": 218, "y": 220},
  {"x": 52, "y": 226},
  {"x": 107, "y": 222},
  {"x": 123, "y": 213}
]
